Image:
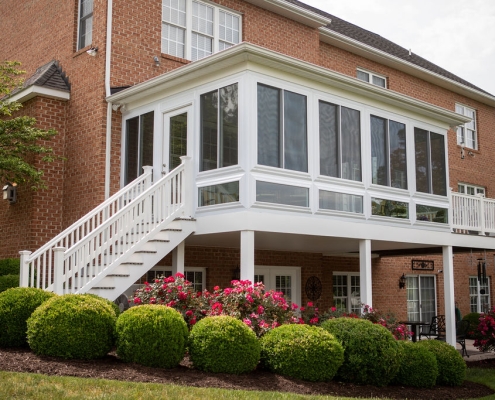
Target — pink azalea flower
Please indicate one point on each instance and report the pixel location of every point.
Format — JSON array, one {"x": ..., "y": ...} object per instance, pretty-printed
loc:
[
  {"x": 152, "y": 300},
  {"x": 216, "y": 288},
  {"x": 247, "y": 321},
  {"x": 179, "y": 275},
  {"x": 189, "y": 313},
  {"x": 260, "y": 309},
  {"x": 310, "y": 304}
]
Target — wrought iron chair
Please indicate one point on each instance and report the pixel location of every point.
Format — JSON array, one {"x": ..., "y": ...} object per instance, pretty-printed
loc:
[
  {"x": 461, "y": 331},
  {"x": 436, "y": 329}
]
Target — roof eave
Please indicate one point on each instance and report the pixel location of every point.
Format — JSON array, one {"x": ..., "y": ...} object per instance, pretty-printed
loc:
[
  {"x": 35, "y": 90},
  {"x": 359, "y": 48},
  {"x": 292, "y": 11},
  {"x": 248, "y": 52}
]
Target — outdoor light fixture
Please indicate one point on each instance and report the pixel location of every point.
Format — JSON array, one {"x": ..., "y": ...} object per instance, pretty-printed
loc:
[
  {"x": 402, "y": 282},
  {"x": 157, "y": 61},
  {"x": 92, "y": 51},
  {"x": 10, "y": 192}
]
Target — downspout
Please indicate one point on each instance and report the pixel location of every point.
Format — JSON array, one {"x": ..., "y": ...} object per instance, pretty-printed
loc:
[{"x": 108, "y": 141}]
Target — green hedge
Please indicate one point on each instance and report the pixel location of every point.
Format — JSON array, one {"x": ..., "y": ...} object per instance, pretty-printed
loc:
[
  {"x": 474, "y": 321},
  {"x": 451, "y": 365},
  {"x": 8, "y": 282},
  {"x": 72, "y": 326},
  {"x": 418, "y": 366},
  {"x": 152, "y": 335},
  {"x": 223, "y": 344},
  {"x": 302, "y": 351},
  {"x": 16, "y": 306},
  {"x": 370, "y": 351},
  {"x": 10, "y": 266}
]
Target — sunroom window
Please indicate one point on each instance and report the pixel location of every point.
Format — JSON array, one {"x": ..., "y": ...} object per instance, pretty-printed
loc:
[
  {"x": 431, "y": 171},
  {"x": 138, "y": 145}
]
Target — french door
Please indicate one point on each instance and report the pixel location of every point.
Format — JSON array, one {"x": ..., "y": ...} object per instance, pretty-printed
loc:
[
  {"x": 421, "y": 298},
  {"x": 281, "y": 279},
  {"x": 175, "y": 132}
]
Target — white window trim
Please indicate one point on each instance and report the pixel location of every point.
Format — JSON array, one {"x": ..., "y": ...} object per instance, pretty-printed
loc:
[
  {"x": 371, "y": 75},
  {"x": 349, "y": 296},
  {"x": 216, "y": 20},
  {"x": 477, "y": 189},
  {"x": 478, "y": 294},
  {"x": 270, "y": 272},
  {"x": 465, "y": 110},
  {"x": 79, "y": 46}
]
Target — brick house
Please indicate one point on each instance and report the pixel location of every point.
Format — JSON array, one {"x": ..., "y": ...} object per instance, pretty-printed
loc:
[{"x": 321, "y": 158}]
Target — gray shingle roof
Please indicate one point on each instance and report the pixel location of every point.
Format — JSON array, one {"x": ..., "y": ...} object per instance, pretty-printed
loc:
[
  {"x": 366, "y": 37},
  {"x": 49, "y": 75}
]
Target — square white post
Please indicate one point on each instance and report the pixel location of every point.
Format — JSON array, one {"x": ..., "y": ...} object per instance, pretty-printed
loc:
[
  {"x": 188, "y": 186},
  {"x": 365, "y": 272},
  {"x": 58, "y": 273},
  {"x": 178, "y": 258},
  {"x": 24, "y": 270},
  {"x": 247, "y": 255},
  {"x": 449, "y": 298}
]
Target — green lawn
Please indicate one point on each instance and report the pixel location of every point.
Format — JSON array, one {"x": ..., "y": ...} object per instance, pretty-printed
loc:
[{"x": 15, "y": 385}]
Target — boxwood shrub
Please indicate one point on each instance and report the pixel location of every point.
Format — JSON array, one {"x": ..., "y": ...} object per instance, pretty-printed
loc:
[
  {"x": 16, "y": 306},
  {"x": 451, "y": 365},
  {"x": 223, "y": 344},
  {"x": 474, "y": 321},
  {"x": 302, "y": 351},
  {"x": 8, "y": 281},
  {"x": 152, "y": 335},
  {"x": 418, "y": 366},
  {"x": 370, "y": 351},
  {"x": 10, "y": 266},
  {"x": 72, "y": 326}
]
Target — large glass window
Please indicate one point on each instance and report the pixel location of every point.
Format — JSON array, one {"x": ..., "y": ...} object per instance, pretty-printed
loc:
[
  {"x": 389, "y": 208},
  {"x": 208, "y": 30},
  {"x": 219, "y": 194},
  {"x": 178, "y": 139},
  {"x": 431, "y": 214},
  {"x": 282, "y": 194},
  {"x": 340, "y": 141},
  {"x": 467, "y": 133},
  {"x": 431, "y": 172},
  {"x": 219, "y": 128},
  {"x": 479, "y": 294},
  {"x": 346, "y": 292},
  {"x": 282, "y": 129},
  {"x": 138, "y": 145},
  {"x": 388, "y": 153},
  {"x": 85, "y": 34},
  {"x": 341, "y": 202}
]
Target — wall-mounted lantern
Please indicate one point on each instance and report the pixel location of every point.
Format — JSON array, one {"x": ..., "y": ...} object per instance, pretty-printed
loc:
[
  {"x": 402, "y": 282},
  {"x": 10, "y": 192}
]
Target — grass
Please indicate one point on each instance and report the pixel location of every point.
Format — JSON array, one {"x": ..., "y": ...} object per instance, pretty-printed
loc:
[{"x": 36, "y": 386}]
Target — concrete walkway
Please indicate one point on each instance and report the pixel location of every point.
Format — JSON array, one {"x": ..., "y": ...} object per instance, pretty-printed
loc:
[{"x": 474, "y": 353}]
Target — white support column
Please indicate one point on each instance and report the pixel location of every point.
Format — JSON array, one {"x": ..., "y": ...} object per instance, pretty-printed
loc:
[
  {"x": 24, "y": 271},
  {"x": 247, "y": 255},
  {"x": 188, "y": 186},
  {"x": 58, "y": 273},
  {"x": 449, "y": 298},
  {"x": 365, "y": 272},
  {"x": 178, "y": 258}
]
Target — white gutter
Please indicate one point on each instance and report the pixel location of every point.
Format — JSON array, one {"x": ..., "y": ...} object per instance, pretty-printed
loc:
[
  {"x": 364, "y": 50},
  {"x": 108, "y": 52}
]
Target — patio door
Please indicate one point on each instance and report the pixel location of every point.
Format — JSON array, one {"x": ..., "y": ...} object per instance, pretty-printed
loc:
[
  {"x": 421, "y": 298},
  {"x": 175, "y": 132},
  {"x": 281, "y": 279}
]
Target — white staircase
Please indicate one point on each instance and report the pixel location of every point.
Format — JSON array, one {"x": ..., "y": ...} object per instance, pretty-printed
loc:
[{"x": 111, "y": 247}]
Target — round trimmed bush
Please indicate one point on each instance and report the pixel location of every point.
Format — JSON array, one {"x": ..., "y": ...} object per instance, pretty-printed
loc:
[
  {"x": 152, "y": 335},
  {"x": 302, "y": 351},
  {"x": 474, "y": 321},
  {"x": 451, "y": 365},
  {"x": 418, "y": 366},
  {"x": 16, "y": 306},
  {"x": 370, "y": 351},
  {"x": 8, "y": 281},
  {"x": 223, "y": 344},
  {"x": 72, "y": 326},
  {"x": 110, "y": 303}
]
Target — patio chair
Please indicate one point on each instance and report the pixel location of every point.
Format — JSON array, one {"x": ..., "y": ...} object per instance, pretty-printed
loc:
[
  {"x": 436, "y": 329},
  {"x": 461, "y": 331}
]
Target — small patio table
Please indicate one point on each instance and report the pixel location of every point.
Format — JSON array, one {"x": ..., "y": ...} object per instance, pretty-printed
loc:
[{"x": 414, "y": 327}]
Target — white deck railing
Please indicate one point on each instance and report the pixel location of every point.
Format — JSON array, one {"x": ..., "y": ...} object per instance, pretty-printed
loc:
[
  {"x": 72, "y": 259},
  {"x": 473, "y": 213}
]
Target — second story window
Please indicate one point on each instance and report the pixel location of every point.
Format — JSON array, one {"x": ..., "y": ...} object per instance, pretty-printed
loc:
[
  {"x": 467, "y": 133},
  {"x": 471, "y": 190},
  {"x": 371, "y": 77},
  {"x": 431, "y": 169},
  {"x": 193, "y": 30},
  {"x": 85, "y": 26}
]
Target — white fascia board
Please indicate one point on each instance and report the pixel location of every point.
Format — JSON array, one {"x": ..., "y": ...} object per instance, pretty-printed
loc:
[
  {"x": 33, "y": 91},
  {"x": 246, "y": 52},
  {"x": 293, "y": 12},
  {"x": 371, "y": 53}
]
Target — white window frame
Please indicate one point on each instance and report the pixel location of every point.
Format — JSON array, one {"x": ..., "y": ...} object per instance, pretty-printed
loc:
[
  {"x": 356, "y": 308},
  {"x": 478, "y": 295},
  {"x": 270, "y": 272},
  {"x": 217, "y": 43},
  {"x": 471, "y": 190},
  {"x": 462, "y": 130},
  {"x": 371, "y": 76},
  {"x": 80, "y": 20}
]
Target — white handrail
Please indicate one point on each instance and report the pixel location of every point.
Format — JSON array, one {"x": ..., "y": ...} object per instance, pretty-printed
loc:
[
  {"x": 473, "y": 213},
  {"x": 42, "y": 259}
]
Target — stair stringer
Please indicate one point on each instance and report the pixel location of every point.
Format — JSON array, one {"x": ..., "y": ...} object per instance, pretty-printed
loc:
[{"x": 144, "y": 255}]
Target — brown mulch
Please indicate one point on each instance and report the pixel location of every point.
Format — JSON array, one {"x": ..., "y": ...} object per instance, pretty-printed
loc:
[{"x": 111, "y": 367}]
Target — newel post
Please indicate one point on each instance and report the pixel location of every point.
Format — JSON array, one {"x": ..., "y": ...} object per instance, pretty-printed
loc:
[
  {"x": 482, "y": 213},
  {"x": 188, "y": 185},
  {"x": 24, "y": 270},
  {"x": 149, "y": 171},
  {"x": 58, "y": 273}
]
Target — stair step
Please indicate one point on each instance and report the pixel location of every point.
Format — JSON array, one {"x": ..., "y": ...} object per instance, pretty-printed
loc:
[
  {"x": 104, "y": 287},
  {"x": 145, "y": 251},
  {"x": 159, "y": 240},
  {"x": 119, "y": 275},
  {"x": 132, "y": 263}
]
